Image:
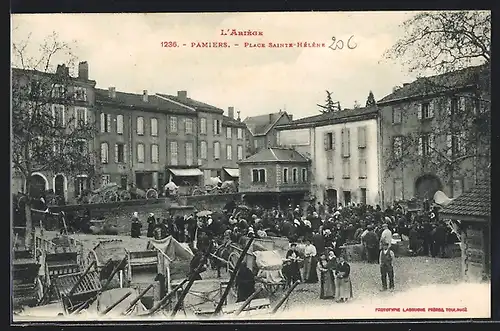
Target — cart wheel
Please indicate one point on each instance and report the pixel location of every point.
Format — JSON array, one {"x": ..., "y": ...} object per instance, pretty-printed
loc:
[
  {"x": 95, "y": 199},
  {"x": 110, "y": 196},
  {"x": 151, "y": 194}
]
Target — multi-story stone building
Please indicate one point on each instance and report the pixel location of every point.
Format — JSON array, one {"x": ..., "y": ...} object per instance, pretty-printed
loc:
[
  {"x": 434, "y": 134},
  {"x": 145, "y": 139},
  {"x": 220, "y": 138},
  {"x": 261, "y": 130},
  {"x": 344, "y": 149},
  {"x": 77, "y": 104}
]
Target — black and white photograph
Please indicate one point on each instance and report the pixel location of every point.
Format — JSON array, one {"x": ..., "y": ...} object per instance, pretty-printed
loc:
[{"x": 250, "y": 166}]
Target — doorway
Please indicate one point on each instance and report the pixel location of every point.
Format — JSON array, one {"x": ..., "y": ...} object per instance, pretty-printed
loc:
[
  {"x": 426, "y": 186},
  {"x": 37, "y": 186},
  {"x": 59, "y": 185},
  {"x": 331, "y": 197},
  {"x": 347, "y": 197}
]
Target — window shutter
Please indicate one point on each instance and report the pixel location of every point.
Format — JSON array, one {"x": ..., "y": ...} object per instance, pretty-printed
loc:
[
  {"x": 116, "y": 153},
  {"x": 419, "y": 115},
  {"x": 431, "y": 108},
  {"x": 462, "y": 104},
  {"x": 448, "y": 107},
  {"x": 420, "y": 151},
  {"x": 333, "y": 139},
  {"x": 362, "y": 136},
  {"x": 108, "y": 124},
  {"x": 325, "y": 139},
  {"x": 449, "y": 144},
  {"x": 348, "y": 152},
  {"x": 102, "y": 122}
]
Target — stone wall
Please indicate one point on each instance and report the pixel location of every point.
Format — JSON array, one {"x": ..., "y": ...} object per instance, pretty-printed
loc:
[{"x": 119, "y": 214}]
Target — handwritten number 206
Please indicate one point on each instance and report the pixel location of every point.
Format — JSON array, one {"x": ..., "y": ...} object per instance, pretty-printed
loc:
[{"x": 339, "y": 44}]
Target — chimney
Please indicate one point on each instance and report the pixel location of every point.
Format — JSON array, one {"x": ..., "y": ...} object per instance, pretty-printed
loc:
[
  {"x": 230, "y": 112},
  {"x": 145, "y": 95},
  {"x": 270, "y": 118},
  {"x": 406, "y": 84},
  {"x": 182, "y": 95},
  {"x": 62, "y": 70},
  {"x": 112, "y": 92},
  {"x": 83, "y": 70},
  {"x": 239, "y": 119}
]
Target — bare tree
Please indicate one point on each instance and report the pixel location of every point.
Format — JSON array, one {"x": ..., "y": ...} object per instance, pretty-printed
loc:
[
  {"x": 330, "y": 105},
  {"x": 444, "y": 41},
  {"x": 48, "y": 133}
]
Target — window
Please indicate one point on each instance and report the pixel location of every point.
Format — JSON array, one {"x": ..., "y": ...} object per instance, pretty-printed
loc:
[
  {"x": 456, "y": 144},
  {"x": 217, "y": 127},
  {"x": 329, "y": 141},
  {"x": 105, "y": 179},
  {"x": 346, "y": 168},
  {"x": 81, "y": 116},
  {"x": 105, "y": 122},
  {"x": 189, "y": 153},
  {"x": 397, "y": 147},
  {"x": 285, "y": 175},
  {"x": 58, "y": 91},
  {"x": 258, "y": 175},
  {"x": 346, "y": 142},
  {"x": 216, "y": 150},
  {"x": 362, "y": 137},
  {"x": 425, "y": 144},
  {"x": 229, "y": 152},
  {"x": 457, "y": 187},
  {"x": 239, "y": 151},
  {"x": 140, "y": 125},
  {"x": 174, "y": 153},
  {"x": 119, "y": 124},
  {"x": 58, "y": 115},
  {"x": 154, "y": 127},
  {"x": 256, "y": 144},
  {"x": 426, "y": 110},
  {"x": 362, "y": 166},
  {"x": 155, "y": 153},
  {"x": 304, "y": 175},
  {"x": 140, "y": 153},
  {"x": 120, "y": 153},
  {"x": 173, "y": 124},
  {"x": 239, "y": 133},
  {"x": 80, "y": 93},
  {"x": 81, "y": 146},
  {"x": 363, "y": 196},
  {"x": 104, "y": 153},
  {"x": 203, "y": 125},
  {"x": 203, "y": 150},
  {"x": 229, "y": 133},
  {"x": 396, "y": 115},
  {"x": 189, "y": 126},
  {"x": 295, "y": 175},
  {"x": 453, "y": 106},
  {"x": 398, "y": 189}
]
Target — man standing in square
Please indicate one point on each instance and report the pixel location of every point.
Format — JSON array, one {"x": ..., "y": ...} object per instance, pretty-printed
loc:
[{"x": 386, "y": 260}]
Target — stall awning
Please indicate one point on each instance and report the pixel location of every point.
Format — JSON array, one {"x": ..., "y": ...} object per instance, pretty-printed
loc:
[
  {"x": 186, "y": 172},
  {"x": 233, "y": 172}
]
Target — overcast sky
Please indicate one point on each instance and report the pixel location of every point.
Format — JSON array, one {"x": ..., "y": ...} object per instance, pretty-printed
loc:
[{"x": 124, "y": 50}]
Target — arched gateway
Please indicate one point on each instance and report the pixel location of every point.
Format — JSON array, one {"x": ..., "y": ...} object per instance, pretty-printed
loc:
[{"x": 426, "y": 185}]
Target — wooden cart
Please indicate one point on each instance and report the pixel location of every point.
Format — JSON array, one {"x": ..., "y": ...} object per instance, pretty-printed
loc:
[
  {"x": 87, "y": 287},
  {"x": 107, "y": 254},
  {"x": 27, "y": 285}
]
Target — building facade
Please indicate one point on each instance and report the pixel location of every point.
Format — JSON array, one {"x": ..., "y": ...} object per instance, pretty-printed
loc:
[
  {"x": 434, "y": 134},
  {"x": 142, "y": 137},
  {"x": 76, "y": 105},
  {"x": 275, "y": 176},
  {"x": 344, "y": 148},
  {"x": 220, "y": 138},
  {"x": 261, "y": 131}
]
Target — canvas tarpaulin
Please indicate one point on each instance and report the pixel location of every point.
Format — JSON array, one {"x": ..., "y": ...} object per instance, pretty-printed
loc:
[
  {"x": 172, "y": 248},
  {"x": 270, "y": 264}
]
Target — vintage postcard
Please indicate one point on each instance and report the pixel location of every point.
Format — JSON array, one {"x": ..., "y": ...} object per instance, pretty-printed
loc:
[{"x": 298, "y": 165}]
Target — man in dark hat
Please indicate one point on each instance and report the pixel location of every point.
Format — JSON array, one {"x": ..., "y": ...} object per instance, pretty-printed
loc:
[
  {"x": 292, "y": 269},
  {"x": 245, "y": 283},
  {"x": 370, "y": 241}
]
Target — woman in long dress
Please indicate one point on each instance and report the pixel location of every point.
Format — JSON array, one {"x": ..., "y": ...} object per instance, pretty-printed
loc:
[
  {"x": 310, "y": 263},
  {"x": 327, "y": 288},
  {"x": 343, "y": 285}
]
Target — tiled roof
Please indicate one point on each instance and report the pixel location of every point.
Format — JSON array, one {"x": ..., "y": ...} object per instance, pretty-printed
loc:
[
  {"x": 21, "y": 72},
  {"x": 345, "y": 115},
  {"x": 198, "y": 105},
  {"x": 439, "y": 83},
  {"x": 276, "y": 154},
  {"x": 476, "y": 202},
  {"x": 135, "y": 100},
  {"x": 228, "y": 121},
  {"x": 261, "y": 124}
]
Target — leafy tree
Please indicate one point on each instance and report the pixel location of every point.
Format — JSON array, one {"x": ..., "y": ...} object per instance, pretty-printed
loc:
[
  {"x": 444, "y": 41},
  {"x": 48, "y": 134},
  {"x": 330, "y": 105},
  {"x": 370, "y": 101}
]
